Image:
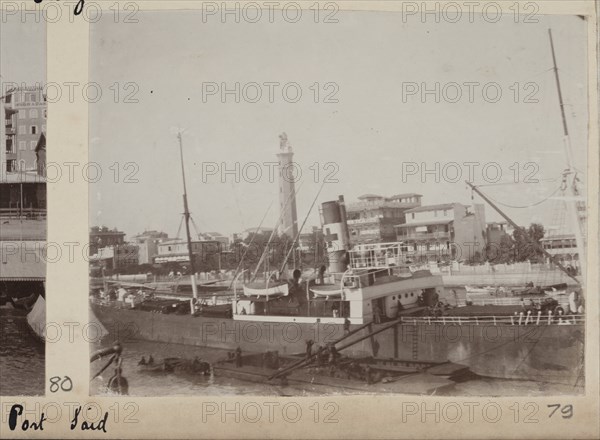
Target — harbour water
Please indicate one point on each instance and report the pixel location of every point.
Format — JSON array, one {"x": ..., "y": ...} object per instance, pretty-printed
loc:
[{"x": 22, "y": 356}]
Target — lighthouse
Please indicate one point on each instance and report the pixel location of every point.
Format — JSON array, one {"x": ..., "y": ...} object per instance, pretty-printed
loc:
[{"x": 287, "y": 189}]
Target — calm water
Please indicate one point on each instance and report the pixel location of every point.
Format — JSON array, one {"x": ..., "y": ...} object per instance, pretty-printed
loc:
[
  {"x": 160, "y": 384},
  {"x": 22, "y": 356}
]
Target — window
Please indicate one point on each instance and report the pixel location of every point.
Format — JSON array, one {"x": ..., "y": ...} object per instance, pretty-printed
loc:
[
  {"x": 413, "y": 215},
  {"x": 22, "y": 114},
  {"x": 435, "y": 213},
  {"x": 33, "y": 129},
  {"x": 32, "y": 145},
  {"x": 22, "y": 129},
  {"x": 445, "y": 213},
  {"x": 22, "y": 145},
  {"x": 33, "y": 113},
  {"x": 45, "y": 113}
]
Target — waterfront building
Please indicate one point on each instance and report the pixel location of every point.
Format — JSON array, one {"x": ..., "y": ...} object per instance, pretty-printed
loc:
[
  {"x": 215, "y": 236},
  {"x": 444, "y": 231},
  {"x": 147, "y": 243},
  {"x": 116, "y": 257},
  {"x": 102, "y": 237},
  {"x": 372, "y": 219},
  {"x": 495, "y": 231},
  {"x": 176, "y": 251},
  {"x": 248, "y": 232},
  {"x": 563, "y": 247},
  {"x": 24, "y": 121}
]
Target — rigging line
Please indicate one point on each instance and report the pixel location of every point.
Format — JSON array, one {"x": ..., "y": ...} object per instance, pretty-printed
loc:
[
  {"x": 290, "y": 196},
  {"x": 553, "y": 179},
  {"x": 237, "y": 203},
  {"x": 301, "y": 227},
  {"x": 526, "y": 206},
  {"x": 250, "y": 244},
  {"x": 195, "y": 226},
  {"x": 179, "y": 228}
]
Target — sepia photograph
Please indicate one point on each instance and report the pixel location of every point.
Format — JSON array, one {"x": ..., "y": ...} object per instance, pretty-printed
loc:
[
  {"x": 324, "y": 202},
  {"x": 23, "y": 115}
]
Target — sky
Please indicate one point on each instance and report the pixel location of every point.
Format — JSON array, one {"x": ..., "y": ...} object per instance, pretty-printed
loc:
[
  {"x": 22, "y": 51},
  {"x": 362, "y": 142}
]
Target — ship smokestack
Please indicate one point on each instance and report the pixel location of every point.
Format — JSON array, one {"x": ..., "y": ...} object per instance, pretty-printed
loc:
[{"x": 336, "y": 234}]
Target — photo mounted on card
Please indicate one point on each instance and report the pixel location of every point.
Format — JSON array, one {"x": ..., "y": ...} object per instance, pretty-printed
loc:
[
  {"x": 350, "y": 202},
  {"x": 23, "y": 116}
]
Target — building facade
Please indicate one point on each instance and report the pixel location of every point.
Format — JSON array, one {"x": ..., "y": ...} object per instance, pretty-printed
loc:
[
  {"x": 372, "y": 219},
  {"x": 287, "y": 189},
  {"x": 176, "y": 251},
  {"x": 442, "y": 232},
  {"x": 102, "y": 237},
  {"x": 25, "y": 113},
  {"x": 563, "y": 247},
  {"x": 147, "y": 243}
]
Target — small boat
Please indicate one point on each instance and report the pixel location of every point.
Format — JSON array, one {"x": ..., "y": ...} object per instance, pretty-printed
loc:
[
  {"x": 263, "y": 289},
  {"x": 175, "y": 365},
  {"x": 327, "y": 290}
]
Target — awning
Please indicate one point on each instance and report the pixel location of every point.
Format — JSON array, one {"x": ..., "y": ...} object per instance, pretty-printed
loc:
[
  {"x": 427, "y": 223},
  {"x": 172, "y": 258}
]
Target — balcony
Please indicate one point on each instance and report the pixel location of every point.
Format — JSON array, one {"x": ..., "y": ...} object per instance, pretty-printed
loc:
[{"x": 424, "y": 236}]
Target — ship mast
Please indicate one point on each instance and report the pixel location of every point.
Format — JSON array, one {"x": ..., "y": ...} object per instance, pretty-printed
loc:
[
  {"x": 186, "y": 216},
  {"x": 569, "y": 174}
]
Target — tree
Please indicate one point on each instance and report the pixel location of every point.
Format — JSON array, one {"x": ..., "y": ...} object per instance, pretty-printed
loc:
[{"x": 527, "y": 243}]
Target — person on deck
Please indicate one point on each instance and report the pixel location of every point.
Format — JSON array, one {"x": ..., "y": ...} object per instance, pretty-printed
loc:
[
  {"x": 309, "y": 345},
  {"x": 238, "y": 357}
]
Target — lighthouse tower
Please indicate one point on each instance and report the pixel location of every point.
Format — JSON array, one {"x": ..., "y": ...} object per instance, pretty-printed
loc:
[{"x": 287, "y": 189}]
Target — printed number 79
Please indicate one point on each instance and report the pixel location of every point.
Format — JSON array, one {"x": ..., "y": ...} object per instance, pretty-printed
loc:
[{"x": 566, "y": 411}]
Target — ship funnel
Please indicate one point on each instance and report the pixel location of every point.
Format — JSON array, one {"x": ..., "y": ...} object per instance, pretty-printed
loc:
[{"x": 336, "y": 235}]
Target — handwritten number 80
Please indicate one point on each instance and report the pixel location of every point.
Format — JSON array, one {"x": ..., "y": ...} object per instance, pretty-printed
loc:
[{"x": 66, "y": 384}]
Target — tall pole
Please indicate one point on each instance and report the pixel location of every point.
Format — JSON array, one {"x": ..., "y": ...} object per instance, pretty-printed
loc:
[
  {"x": 514, "y": 225},
  {"x": 186, "y": 216},
  {"x": 569, "y": 173}
]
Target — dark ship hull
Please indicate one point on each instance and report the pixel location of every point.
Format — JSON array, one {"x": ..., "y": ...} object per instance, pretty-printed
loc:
[{"x": 539, "y": 351}]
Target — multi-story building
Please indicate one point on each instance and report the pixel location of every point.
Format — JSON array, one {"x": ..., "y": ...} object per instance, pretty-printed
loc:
[
  {"x": 372, "y": 219},
  {"x": 147, "y": 243},
  {"x": 215, "y": 236},
  {"x": 22, "y": 169},
  {"x": 563, "y": 247},
  {"x": 176, "y": 250},
  {"x": 496, "y": 231},
  {"x": 248, "y": 232},
  {"x": 102, "y": 237},
  {"x": 308, "y": 241},
  {"x": 116, "y": 257},
  {"x": 445, "y": 231},
  {"x": 24, "y": 122}
]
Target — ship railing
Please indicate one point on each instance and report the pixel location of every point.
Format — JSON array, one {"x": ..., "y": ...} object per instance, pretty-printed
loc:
[
  {"x": 518, "y": 319},
  {"x": 506, "y": 301}
]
